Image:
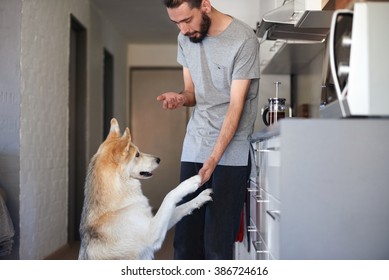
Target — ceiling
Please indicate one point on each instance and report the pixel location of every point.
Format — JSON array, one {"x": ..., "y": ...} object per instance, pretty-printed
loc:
[{"x": 140, "y": 21}]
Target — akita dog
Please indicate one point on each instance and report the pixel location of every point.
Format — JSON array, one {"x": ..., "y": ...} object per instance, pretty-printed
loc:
[{"x": 117, "y": 221}]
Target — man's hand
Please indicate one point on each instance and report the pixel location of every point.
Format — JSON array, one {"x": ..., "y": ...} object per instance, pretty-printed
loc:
[
  {"x": 171, "y": 100},
  {"x": 207, "y": 170}
]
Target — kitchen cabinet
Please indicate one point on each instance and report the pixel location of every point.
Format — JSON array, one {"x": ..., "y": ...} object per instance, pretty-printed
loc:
[
  {"x": 320, "y": 191},
  {"x": 288, "y": 57},
  {"x": 343, "y": 4},
  {"x": 293, "y": 34}
]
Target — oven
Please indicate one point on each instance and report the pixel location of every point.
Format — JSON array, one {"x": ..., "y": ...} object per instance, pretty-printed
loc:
[{"x": 355, "y": 68}]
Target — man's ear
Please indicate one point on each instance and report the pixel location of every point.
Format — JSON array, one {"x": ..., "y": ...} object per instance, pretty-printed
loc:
[{"x": 206, "y": 6}]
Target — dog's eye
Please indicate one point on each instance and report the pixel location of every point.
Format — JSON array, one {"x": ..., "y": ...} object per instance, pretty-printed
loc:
[{"x": 137, "y": 154}]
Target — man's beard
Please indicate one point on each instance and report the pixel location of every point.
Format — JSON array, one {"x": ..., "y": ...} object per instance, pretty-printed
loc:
[{"x": 204, "y": 27}]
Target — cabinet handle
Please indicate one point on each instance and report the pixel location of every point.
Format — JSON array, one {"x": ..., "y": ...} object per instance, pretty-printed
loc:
[
  {"x": 274, "y": 214},
  {"x": 272, "y": 149},
  {"x": 252, "y": 190},
  {"x": 252, "y": 229},
  {"x": 258, "y": 249},
  {"x": 259, "y": 199}
]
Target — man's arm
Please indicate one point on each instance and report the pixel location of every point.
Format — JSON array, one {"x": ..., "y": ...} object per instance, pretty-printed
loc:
[{"x": 239, "y": 89}]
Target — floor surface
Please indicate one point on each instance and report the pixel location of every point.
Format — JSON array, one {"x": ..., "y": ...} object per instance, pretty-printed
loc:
[{"x": 70, "y": 251}]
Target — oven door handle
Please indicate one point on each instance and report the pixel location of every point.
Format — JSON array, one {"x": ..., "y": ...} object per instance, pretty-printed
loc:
[{"x": 341, "y": 94}]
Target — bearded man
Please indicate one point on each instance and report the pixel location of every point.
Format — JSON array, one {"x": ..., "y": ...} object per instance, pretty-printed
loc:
[{"x": 220, "y": 59}]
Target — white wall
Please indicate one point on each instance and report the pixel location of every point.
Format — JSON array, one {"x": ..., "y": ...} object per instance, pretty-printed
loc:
[
  {"x": 308, "y": 86},
  {"x": 10, "y": 22},
  {"x": 152, "y": 55},
  {"x": 103, "y": 35},
  {"x": 44, "y": 90},
  {"x": 246, "y": 10},
  {"x": 44, "y": 124}
]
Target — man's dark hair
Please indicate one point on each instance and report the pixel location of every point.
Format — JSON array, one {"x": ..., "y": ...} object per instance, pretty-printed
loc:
[{"x": 177, "y": 3}]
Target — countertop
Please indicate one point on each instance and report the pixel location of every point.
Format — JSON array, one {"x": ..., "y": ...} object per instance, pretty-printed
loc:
[{"x": 275, "y": 129}]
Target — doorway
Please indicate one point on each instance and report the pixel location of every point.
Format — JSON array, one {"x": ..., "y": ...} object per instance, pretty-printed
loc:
[
  {"x": 155, "y": 130},
  {"x": 108, "y": 91},
  {"x": 77, "y": 127}
]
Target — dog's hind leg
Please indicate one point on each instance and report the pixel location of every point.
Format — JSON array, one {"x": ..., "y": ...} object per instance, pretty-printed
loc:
[{"x": 188, "y": 207}]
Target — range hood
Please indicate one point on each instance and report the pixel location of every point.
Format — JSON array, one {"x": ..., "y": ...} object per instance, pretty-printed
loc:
[{"x": 292, "y": 21}]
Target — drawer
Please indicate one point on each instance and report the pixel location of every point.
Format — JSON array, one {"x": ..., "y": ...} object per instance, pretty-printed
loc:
[
  {"x": 263, "y": 206},
  {"x": 273, "y": 217},
  {"x": 259, "y": 250},
  {"x": 269, "y": 223},
  {"x": 252, "y": 192},
  {"x": 252, "y": 227},
  {"x": 269, "y": 159},
  {"x": 252, "y": 187}
]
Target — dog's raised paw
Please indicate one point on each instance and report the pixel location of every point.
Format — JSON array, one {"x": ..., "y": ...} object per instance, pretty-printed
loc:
[
  {"x": 204, "y": 197},
  {"x": 193, "y": 182},
  {"x": 196, "y": 179},
  {"x": 189, "y": 186},
  {"x": 207, "y": 192}
]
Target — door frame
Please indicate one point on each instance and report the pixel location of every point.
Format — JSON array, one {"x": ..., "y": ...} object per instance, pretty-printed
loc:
[{"x": 77, "y": 126}]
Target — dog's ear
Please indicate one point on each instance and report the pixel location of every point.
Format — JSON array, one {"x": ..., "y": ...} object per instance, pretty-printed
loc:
[
  {"x": 114, "y": 130},
  {"x": 127, "y": 137},
  {"x": 127, "y": 134}
]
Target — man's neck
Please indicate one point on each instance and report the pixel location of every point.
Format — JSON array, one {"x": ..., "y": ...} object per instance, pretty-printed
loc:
[{"x": 219, "y": 22}]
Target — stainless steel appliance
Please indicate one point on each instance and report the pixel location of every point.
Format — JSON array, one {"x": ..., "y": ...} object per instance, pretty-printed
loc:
[
  {"x": 358, "y": 62},
  {"x": 296, "y": 20}
]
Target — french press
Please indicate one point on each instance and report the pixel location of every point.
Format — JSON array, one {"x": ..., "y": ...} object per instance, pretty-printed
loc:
[{"x": 276, "y": 109}]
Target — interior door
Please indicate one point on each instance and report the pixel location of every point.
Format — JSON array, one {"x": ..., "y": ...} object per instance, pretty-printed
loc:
[
  {"x": 108, "y": 91},
  {"x": 77, "y": 127},
  {"x": 155, "y": 130}
]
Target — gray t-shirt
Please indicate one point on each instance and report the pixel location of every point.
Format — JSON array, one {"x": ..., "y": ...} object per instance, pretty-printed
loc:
[{"x": 213, "y": 64}]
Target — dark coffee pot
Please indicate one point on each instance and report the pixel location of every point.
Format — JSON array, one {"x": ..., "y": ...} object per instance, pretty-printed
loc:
[{"x": 274, "y": 111}]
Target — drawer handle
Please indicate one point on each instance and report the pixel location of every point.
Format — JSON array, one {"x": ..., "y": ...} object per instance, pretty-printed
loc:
[
  {"x": 272, "y": 149},
  {"x": 252, "y": 229},
  {"x": 252, "y": 190},
  {"x": 274, "y": 214},
  {"x": 258, "y": 249},
  {"x": 259, "y": 199}
]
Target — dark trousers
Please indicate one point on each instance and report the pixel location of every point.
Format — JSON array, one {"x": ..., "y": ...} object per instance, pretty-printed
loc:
[{"x": 210, "y": 232}]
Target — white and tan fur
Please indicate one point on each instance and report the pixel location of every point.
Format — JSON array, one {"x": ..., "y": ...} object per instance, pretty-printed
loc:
[{"x": 117, "y": 220}]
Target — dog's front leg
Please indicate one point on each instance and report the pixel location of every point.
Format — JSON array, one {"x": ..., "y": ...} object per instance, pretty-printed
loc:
[
  {"x": 188, "y": 207},
  {"x": 162, "y": 220}
]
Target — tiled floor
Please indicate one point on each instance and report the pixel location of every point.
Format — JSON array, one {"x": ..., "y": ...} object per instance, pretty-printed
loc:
[{"x": 70, "y": 252}]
